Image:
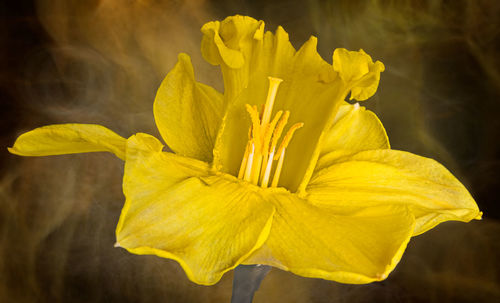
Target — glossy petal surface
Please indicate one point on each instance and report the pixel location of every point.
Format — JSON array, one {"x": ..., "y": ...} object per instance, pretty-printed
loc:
[
  {"x": 358, "y": 246},
  {"x": 188, "y": 113},
  {"x": 176, "y": 208},
  {"x": 62, "y": 139},
  {"x": 390, "y": 177}
]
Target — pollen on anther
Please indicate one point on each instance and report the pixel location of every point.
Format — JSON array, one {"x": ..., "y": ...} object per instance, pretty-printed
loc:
[
  {"x": 254, "y": 116},
  {"x": 269, "y": 132},
  {"x": 279, "y": 129},
  {"x": 288, "y": 138}
]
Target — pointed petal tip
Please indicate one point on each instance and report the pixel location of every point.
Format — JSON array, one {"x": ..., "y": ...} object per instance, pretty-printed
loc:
[
  {"x": 312, "y": 39},
  {"x": 380, "y": 66},
  {"x": 479, "y": 216},
  {"x": 183, "y": 56},
  {"x": 15, "y": 151},
  {"x": 281, "y": 33},
  {"x": 381, "y": 277},
  {"x": 117, "y": 245}
]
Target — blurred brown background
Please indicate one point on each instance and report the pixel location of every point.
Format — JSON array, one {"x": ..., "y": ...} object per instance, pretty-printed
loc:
[{"x": 102, "y": 61}]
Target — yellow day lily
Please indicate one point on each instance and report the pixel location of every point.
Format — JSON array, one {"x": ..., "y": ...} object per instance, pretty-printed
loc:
[{"x": 278, "y": 171}]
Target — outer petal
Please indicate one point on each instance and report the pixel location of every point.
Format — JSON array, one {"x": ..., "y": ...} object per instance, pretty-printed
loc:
[
  {"x": 62, "y": 139},
  {"x": 355, "y": 247},
  {"x": 177, "y": 209},
  {"x": 354, "y": 129},
  {"x": 389, "y": 177},
  {"x": 358, "y": 71},
  {"x": 187, "y": 112}
]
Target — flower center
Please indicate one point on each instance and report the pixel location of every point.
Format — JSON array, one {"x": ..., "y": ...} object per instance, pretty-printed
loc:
[{"x": 263, "y": 136}]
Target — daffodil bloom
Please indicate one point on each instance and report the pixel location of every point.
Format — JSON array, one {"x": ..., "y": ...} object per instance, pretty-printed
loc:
[{"x": 278, "y": 170}]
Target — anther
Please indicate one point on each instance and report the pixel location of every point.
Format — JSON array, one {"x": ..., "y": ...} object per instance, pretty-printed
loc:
[
  {"x": 288, "y": 137},
  {"x": 254, "y": 115},
  {"x": 269, "y": 131},
  {"x": 281, "y": 152},
  {"x": 279, "y": 129}
]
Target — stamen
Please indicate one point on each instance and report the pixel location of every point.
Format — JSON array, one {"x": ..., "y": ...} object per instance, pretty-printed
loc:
[
  {"x": 248, "y": 170},
  {"x": 254, "y": 115},
  {"x": 256, "y": 168},
  {"x": 260, "y": 151},
  {"x": 269, "y": 131},
  {"x": 265, "y": 146},
  {"x": 267, "y": 172},
  {"x": 288, "y": 137},
  {"x": 277, "y": 173},
  {"x": 243, "y": 165},
  {"x": 279, "y": 129},
  {"x": 265, "y": 159},
  {"x": 281, "y": 152}
]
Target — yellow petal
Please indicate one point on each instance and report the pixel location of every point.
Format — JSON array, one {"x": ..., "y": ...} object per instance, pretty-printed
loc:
[
  {"x": 358, "y": 71},
  {"x": 187, "y": 112},
  {"x": 309, "y": 99},
  {"x": 389, "y": 177},
  {"x": 354, "y": 129},
  {"x": 227, "y": 42},
  {"x": 358, "y": 246},
  {"x": 62, "y": 139},
  {"x": 231, "y": 44},
  {"x": 177, "y": 208}
]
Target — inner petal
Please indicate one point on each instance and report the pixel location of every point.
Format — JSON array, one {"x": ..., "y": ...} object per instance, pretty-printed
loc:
[{"x": 309, "y": 99}]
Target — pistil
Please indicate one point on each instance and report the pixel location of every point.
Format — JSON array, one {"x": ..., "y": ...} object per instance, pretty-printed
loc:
[{"x": 274, "y": 83}]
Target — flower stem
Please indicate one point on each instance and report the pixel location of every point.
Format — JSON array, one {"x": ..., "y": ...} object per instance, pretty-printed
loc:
[{"x": 246, "y": 282}]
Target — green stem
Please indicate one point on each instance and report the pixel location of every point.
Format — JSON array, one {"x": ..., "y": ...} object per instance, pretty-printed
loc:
[{"x": 246, "y": 282}]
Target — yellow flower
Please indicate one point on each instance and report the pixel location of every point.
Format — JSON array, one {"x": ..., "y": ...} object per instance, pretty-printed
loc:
[{"x": 330, "y": 200}]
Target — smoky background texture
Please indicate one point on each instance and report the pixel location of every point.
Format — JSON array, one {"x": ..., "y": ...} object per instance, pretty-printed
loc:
[{"x": 101, "y": 61}]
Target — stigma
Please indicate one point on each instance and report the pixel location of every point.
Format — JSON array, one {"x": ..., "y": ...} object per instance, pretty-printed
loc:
[{"x": 263, "y": 157}]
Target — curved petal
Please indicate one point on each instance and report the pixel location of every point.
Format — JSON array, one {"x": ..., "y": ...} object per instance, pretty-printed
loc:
[
  {"x": 355, "y": 247},
  {"x": 390, "y": 177},
  {"x": 177, "y": 208},
  {"x": 358, "y": 71},
  {"x": 354, "y": 129},
  {"x": 231, "y": 44},
  {"x": 62, "y": 139},
  {"x": 187, "y": 112}
]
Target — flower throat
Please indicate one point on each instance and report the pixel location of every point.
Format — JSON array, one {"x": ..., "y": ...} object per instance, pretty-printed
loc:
[{"x": 263, "y": 135}]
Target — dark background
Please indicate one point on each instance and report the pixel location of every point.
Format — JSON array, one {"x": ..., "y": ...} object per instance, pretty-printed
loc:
[{"x": 102, "y": 61}]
